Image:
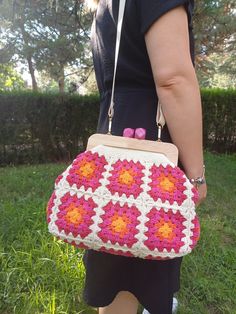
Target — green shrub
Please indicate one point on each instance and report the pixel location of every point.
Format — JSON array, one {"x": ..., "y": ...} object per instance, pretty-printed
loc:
[
  {"x": 219, "y": 119},
  {"x": 36, "y": 127},
  {"x": 43, "y": 127}
]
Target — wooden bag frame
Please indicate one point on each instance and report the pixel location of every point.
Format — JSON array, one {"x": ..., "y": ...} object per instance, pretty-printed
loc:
[{"x": 167, "y": 149}]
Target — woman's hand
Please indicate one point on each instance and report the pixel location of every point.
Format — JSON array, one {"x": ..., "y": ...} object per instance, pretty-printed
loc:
[
  {"x": 202, "y": 192},
  {"x": 198, "y": 172}
]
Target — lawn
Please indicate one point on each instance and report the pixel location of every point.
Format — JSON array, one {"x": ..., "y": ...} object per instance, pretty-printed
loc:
[{"x": 41, "y": 275}]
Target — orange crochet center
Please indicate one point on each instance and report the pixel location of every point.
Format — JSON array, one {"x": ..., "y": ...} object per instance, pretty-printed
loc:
[
  {"x": 74, "y": 214},
  {"x": 86, "y": 169},
  {"x": 119, "y": 224},
  {"x": 165, "y": 230},
  {"x": 126, "y": 176},
  {"x": 167, "y": 183}
]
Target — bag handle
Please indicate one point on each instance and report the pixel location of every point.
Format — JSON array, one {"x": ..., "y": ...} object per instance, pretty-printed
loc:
[{"x": 160, "y": 119}]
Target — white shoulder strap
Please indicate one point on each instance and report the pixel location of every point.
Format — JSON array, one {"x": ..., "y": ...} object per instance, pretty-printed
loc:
[{"x": 159, "y": 117}]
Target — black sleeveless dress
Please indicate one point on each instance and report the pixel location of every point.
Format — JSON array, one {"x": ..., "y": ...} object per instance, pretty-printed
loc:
[{"x": 152, "y": 282}]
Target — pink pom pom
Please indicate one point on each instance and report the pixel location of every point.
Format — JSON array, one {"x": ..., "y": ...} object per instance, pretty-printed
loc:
[
  {"x": 140, "y": 133},
  {"x": 128, "y": 132}
]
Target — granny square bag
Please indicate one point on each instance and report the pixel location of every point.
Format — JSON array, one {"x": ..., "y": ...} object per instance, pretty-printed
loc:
[{"x": 126, "y": 196}]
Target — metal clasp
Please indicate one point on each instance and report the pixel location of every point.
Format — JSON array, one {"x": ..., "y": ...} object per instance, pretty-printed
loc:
[
  {"x": 159, "y": 132},
  {"x": 110, "y": 116},
  {"x": 109, "y": 125}
]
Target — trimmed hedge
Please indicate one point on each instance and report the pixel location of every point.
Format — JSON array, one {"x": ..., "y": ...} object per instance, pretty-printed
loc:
[
  {"x": 37, "y": 128},
  {"x": 219, "y": 120}
]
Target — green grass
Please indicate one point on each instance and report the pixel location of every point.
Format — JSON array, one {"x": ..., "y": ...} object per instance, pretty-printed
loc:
[{"x": 40, "y": 275}]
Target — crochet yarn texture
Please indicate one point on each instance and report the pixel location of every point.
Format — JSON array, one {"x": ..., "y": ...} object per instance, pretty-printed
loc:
[{"x": 125, "y": 202}]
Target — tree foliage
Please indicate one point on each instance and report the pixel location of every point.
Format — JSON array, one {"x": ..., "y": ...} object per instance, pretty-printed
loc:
[
  {"x": 52, "y": 38},
  {"x": 9, "y": 78},
  {"x": 215, "y": 40}
]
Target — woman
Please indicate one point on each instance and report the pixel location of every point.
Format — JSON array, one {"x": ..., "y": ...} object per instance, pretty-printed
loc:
[{"x": 156, "y": 58}]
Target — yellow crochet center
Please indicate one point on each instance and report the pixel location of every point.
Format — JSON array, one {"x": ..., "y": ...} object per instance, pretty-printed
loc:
[
  {"x": 167, "y": 185},
  {"x": 126, "y": 177},
  {"x": 74, "y": 214},
  {"x": 87, "y": 169},
  {"x": 120, "y": 224},
  {"x": 165, "y": 230}
]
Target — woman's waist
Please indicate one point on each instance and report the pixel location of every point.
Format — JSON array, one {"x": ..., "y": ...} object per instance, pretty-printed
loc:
[
  {"x": 130, "y": 95},
  {"x": 129, "y": 89}
]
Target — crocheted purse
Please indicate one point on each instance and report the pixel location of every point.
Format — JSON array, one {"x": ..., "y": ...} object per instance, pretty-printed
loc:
[{"x": 126, "y": 196}]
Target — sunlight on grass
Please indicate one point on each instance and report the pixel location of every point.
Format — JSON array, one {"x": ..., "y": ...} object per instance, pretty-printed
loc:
[{"x": 41, "y": 275}]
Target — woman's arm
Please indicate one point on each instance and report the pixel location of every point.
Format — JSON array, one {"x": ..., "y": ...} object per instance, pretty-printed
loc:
[{"x": 167, "y": 43}]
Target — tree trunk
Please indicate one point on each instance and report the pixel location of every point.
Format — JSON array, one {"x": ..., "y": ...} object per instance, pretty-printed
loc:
[
  {"x": 29, "y": 56},
  {"x": 61, "y": 80},
  {"x": 31, "y": 70}
]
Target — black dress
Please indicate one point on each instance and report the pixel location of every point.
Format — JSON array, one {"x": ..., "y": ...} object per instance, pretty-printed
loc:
[{"x": 152, "y": 282}]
